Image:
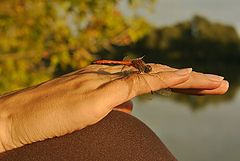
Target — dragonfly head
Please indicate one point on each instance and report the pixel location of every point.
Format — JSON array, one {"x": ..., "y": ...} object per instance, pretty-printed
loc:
[{"x": 147, "y": 69}]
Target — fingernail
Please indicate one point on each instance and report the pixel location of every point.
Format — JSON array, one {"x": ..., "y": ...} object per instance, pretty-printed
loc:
[
  {"x": 183, "y": 71},
  {"x": 214, "y": 77}
]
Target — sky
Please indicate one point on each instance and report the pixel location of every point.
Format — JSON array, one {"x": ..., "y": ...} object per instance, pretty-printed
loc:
[{"x": 168, "y": 12}]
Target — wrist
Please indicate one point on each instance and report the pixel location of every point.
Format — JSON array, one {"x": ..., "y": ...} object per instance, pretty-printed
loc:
[
  {"x": 5, "y": 120},
  {"x": 6, "y": 142},
  {"x": 2, "y": 149},
  {"x": 2, "y": 131}
]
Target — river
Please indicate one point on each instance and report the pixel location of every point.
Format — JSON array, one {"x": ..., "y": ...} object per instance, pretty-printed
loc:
[{"x": 206, "y": 134}]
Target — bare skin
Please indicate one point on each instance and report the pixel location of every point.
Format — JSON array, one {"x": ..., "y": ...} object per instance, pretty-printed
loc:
[{"x": 82, "y": 98}]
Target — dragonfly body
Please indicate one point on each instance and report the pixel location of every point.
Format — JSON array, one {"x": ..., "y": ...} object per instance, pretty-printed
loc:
[
  {"x": 136, "y": 63},
  {"x": 122, "y": 62}
]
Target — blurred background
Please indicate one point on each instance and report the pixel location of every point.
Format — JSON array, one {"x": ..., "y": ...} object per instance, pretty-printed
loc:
[{"x": 40, "y": 40}]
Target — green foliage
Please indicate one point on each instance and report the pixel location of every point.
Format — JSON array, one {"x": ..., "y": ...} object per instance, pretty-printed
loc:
[
  {"x": 197, "y": 39},
  {"x": 43, "y": 39}
]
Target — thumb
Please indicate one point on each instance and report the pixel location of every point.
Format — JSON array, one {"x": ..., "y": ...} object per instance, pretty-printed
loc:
[{"x": 126, "y": 107}]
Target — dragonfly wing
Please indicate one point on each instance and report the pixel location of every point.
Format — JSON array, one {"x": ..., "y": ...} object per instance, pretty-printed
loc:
[
  {"x": 130, "y": 58},
  {"x": 127, "y": 58},
  {"x": 164, "y": 92}
]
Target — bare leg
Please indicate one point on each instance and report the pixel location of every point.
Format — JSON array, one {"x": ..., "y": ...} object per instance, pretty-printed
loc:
[{"x": 118, "y": 137}]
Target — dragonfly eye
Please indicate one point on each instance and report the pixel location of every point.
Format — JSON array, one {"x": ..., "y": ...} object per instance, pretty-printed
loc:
[{"x": 148, "y": 69}]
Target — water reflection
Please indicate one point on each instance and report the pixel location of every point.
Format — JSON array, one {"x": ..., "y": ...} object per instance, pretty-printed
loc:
[
  {"x": 208, "y": 134},
  {"x": 205, "y": 46}
]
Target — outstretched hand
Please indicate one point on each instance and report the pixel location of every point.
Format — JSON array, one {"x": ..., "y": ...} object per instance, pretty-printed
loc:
[{"x": 82, "y": 98}]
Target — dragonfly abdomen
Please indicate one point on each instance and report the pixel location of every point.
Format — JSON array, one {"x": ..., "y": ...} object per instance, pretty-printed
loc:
[{"x": 123, "y": 62}]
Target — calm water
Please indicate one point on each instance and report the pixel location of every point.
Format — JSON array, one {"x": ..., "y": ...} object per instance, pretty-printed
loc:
[{"x": 208, "y": 134}]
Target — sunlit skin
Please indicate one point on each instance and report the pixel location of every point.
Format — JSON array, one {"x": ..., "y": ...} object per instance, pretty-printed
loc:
[{"x": 82, "y": 98}]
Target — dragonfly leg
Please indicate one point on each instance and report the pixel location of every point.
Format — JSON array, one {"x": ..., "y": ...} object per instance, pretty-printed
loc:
[
  {"x": 164, "y": 91},
  {"x": 123, "y": 67}
]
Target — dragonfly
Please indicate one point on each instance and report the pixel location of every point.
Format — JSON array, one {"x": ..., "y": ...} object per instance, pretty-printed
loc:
[{"x": 138, "y": 64}]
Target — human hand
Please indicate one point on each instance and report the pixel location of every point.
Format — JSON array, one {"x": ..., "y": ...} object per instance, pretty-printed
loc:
[
  {"x": 197, "y": 84},
  {"x": 82, "y": 98}
]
